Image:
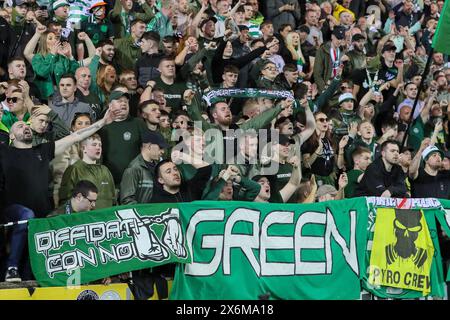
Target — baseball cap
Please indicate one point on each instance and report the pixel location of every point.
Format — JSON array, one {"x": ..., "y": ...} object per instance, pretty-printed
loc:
[
  {"x": 117, "y": 94},
  {"x": 358, "y": 37},
  {"x": 97, "y": 4},
  {"x": 206, "y": 20},
  {"x": 346, "y": 96},
  {"x": 19, "y": 2},
  {"x": 243, "y": 27},
  {"x": 326, "y": 189},
  {"x": 59, "y": 3},
  {"x": 154, "y": 138},
  {"x": 389, "y": 46},
  {"x": 339, "y": 32},
  {"x": 430, "y": 150}
]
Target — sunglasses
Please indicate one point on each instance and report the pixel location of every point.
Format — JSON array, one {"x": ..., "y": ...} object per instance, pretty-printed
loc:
[
  {"x": 322, "y": 119},
  {"x": 13, "y": 99}
]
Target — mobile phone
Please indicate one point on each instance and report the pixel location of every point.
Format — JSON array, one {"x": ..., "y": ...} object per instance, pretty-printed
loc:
[{"x": 43, "y": 8}]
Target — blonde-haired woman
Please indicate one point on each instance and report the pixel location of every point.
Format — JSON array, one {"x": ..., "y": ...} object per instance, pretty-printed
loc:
[
  {"x": 52, "y": 60},
  {"x": 293, "y": 45}
]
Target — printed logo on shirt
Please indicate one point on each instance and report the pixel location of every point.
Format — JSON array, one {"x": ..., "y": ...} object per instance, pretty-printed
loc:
[
  {"x": 127, "y": 136},
  {"x": 172, "y": 96}
]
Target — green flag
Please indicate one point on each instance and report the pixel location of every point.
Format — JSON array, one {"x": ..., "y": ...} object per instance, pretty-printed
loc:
[
  {"x": 246, "y": 250},
  {"x": 441, "y": 40},
  {"x": 87, "y": 246}
]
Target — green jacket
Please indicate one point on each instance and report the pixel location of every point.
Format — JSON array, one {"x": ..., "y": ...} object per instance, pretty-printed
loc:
[
  {"x": 127, "y": 53},
  {"x": 9, "y": 118},
  {"x": 96, "y": 173},
  {"x": 49, "y": 69},
  {"x": 122, "y": 20},
  {"x": 137, "y": 182},
  {"x": 322, "y": 66},
  {"x": 217, "y": 152}
]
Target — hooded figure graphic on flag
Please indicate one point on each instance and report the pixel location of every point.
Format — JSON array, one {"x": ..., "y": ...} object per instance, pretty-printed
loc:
[{"x": 407, "y": 225}]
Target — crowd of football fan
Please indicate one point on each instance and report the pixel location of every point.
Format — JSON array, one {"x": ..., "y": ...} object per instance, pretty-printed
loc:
[{"x": 102, "y": 104}]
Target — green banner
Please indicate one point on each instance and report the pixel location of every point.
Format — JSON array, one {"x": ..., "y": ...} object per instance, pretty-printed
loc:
[
  {"x": 83, "y": 247},
  {"x": 246, "y": 250},
  {"x": 430, "y": 208},
  {"x": 443, "y": 217},
  {"x": 243, "y": 250}
]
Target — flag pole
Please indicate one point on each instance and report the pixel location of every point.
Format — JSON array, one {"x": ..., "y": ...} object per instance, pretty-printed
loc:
[{"x": 416, "y": 100}]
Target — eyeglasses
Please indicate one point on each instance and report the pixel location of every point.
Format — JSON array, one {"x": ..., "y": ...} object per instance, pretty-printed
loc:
[
  {"x": 13, "y": 99},
  {"x": 91, "y": 201},
  {"x": 322, "y": 119},
  {"x": 271, "y": 68}
]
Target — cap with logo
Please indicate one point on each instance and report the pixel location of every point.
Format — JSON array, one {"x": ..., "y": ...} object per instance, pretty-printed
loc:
[
  {"x": 428, "y": 151},
  {"x": 339, "y": 32},
  {"x": 154, "y": 138}
]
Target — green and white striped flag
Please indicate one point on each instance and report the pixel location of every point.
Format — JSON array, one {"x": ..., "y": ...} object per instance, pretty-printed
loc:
[{"x": 441, "y": 40}]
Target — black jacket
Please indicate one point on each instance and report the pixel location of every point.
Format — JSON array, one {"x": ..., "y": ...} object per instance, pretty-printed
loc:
[
  {"x": 376, "y": 180},
  {"x": 147, "y": 67},
  {"x": 190, "y": 190},
  {"x": 5, "y": 42},
  {"x": 219, "y": 63}
]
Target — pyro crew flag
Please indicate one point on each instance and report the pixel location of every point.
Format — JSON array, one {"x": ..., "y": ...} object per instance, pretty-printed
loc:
[
  {"x": 441, "y": 39},
  {"x": 402, "y": 250}
]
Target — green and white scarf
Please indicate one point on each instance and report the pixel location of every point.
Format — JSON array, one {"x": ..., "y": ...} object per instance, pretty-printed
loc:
[{"x": 216, "y": 95}]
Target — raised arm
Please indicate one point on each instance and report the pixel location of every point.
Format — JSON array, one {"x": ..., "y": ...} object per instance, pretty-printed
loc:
[
  {"x": 192, "y": 30},
  {"x": 64, "y": 143},
  {"x": 90, "y": 47},
  {"x": 310, "y": 125},
  {"x": 28, "y": 52},
  {"x": 294, "y": 182}
]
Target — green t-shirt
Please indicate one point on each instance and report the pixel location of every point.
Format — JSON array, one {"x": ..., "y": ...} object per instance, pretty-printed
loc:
[
  {"x": 416, "y": 133},
  {"x": 352, "y": 177},
  {"x": 121, "y": 144}
]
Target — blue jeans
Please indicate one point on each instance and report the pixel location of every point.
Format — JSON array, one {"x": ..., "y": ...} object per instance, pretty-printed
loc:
[{"x": 13, "y": 213}]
